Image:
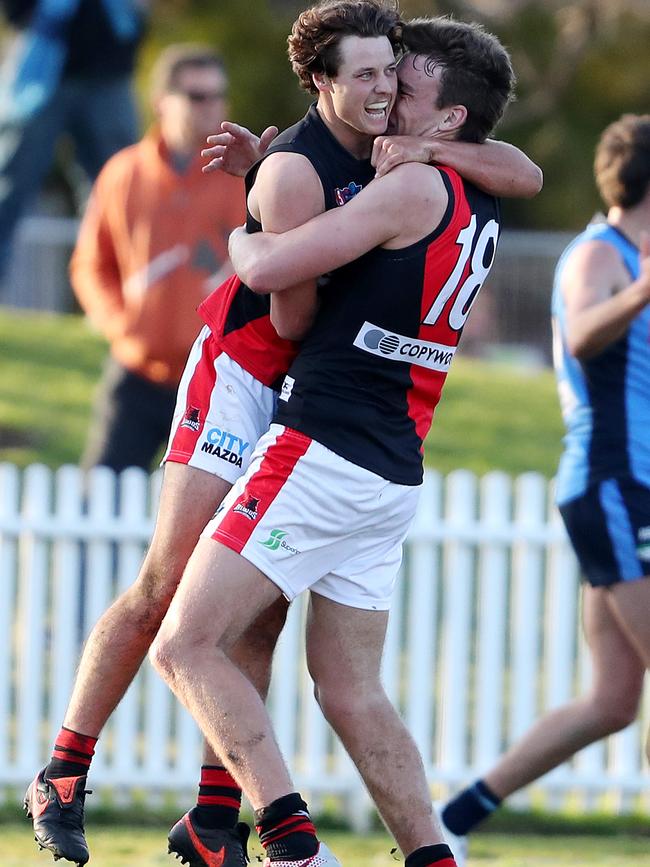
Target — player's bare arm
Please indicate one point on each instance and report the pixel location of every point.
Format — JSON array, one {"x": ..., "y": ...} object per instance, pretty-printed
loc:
[
  {"x": 496, "y": 167},
  {"x": 394, "y": 211},
  {"x": 287, "y": 193},
  {"x": 600, "y": 300}
]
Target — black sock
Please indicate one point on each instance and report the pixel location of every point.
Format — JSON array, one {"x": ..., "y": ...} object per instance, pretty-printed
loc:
[
  {"x": 286, "y": 830},
  {"x": 439, "y": 854},
  {"x": 469, "y": 808},
  {"x": 219, "y": 799},
  {"x": 72, "y": 755}
]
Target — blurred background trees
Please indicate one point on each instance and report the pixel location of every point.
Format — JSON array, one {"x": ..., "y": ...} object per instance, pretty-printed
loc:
[{"x": 579, "y": 64}]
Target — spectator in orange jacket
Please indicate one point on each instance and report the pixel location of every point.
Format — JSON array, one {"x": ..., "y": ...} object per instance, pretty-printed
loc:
[{"x": 153, "y": 243}]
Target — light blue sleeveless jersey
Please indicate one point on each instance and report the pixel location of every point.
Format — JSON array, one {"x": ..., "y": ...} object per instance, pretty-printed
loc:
[{"x": 605, "y": 401}]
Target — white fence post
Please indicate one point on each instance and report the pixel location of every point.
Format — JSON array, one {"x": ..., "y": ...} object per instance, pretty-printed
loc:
[
  {"x": 9, "y": 512},
  {"x": 460, "y": 514},
  {"x": 32, "y": 637},
  {"x": 530, "y": 519},
  {"x": 493, "y": 574},
  {"x": 421, "y": 633},
  {"x": 66, "y": 602},
  {"x": 483, "y": 637}
]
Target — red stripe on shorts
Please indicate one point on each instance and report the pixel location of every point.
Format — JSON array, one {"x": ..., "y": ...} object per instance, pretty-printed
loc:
[
  {"x": 261, "y": 489},
  {"x": 197, "y": 403}
]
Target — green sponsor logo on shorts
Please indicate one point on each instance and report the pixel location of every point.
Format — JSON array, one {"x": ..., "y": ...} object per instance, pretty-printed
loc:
[{"x": 274, "y": 540}]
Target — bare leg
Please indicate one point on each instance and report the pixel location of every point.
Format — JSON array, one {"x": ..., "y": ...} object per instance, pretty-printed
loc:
[
  {"x": 344, "y": 648},
  {"x": 253, "y": 655},
  {"x": 220, "y": 595},
  {"x": 629, "y": 602},
  {"x": 121, "y": 637},
  {"x": 610, "y": 706}
]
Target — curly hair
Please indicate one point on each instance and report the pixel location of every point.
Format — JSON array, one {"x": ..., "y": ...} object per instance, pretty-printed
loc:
[
  {"x": 622, "y": 162},
  {"x": 476, "y": 70},
  {"x": 317, "y": 33}
]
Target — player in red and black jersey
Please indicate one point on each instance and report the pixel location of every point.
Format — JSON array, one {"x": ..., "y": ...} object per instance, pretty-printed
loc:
[
  {"x": 240, "y": 319},
  {"x": 222, "y": 411},
  {"x": 370, "y": 373},
  {"x": 325, "y": 504}
]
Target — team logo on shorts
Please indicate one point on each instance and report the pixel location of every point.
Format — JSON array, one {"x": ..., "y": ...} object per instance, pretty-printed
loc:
[
  {"x": 248, "y": 508},
  {"x": 225, "y": 445},
  {"x": 276, "y": 540},
  {"x": 287, "y": 387},
  {"x": 192, "y": 418},
  {"x": 344, "y": 194}
]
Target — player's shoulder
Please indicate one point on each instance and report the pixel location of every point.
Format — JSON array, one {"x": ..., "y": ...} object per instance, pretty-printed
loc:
[
  {"x": 287, "y": 168},
  {"x": 593, "y": 260},
  {"x": 593, "y": 252},
  {"x": 413, "y": 182}
]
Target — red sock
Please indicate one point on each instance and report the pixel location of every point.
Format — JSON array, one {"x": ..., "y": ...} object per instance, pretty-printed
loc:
[
  {"x": 219, "y": 799},
  {"x": 438, "y": 855},
  {"x": 71, "y": 756},
  {"x": 285, "y": 829}
]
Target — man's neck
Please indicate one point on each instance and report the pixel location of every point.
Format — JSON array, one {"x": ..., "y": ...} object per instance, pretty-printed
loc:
[
  {"x": 631, "y": 221},
  {"x": 357, "y": 143}
]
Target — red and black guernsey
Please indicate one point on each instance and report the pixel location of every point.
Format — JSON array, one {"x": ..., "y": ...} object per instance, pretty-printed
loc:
[
  {"x": 238, "y": 317},
  {"x": 370, "y": 373}
]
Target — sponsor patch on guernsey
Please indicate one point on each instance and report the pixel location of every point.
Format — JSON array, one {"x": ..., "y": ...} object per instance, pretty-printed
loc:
[{"x": 396, "y": 347}]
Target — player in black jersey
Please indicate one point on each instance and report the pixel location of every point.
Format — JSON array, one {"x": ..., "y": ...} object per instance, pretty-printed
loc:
[
  {"x": 121, "y": 637},
  {"x": 290, "y": 190},
  {"x": 325, "y": 522}
]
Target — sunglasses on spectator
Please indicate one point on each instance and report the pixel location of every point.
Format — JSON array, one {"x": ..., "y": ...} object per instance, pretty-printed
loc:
[{"x": 201, "y": 96}]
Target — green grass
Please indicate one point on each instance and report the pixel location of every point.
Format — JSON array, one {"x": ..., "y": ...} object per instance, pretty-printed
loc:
[
  {"x": 136, "y": 837},
  {"x": 48, "y": 368},
  {"x": 491, "y": 416},
  {"x": 128, "y": 846}
]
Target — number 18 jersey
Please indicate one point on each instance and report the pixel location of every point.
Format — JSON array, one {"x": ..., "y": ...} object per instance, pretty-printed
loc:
[{"x": 370, "y": 373}]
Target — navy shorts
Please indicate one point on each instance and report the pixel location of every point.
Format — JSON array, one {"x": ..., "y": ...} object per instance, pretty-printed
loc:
[{"x": 609, "y": 528}]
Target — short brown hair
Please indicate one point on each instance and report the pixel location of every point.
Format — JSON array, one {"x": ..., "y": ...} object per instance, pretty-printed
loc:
[
  {"x": 622, "y": 163},
  {"x": 175, "y": 58},
  {"x": 476, "y": 70},
  {"x": 317, "y": 32}
]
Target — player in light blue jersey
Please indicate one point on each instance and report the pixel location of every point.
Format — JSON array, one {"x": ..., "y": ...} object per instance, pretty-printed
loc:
[{"x": 601, "y": 320}]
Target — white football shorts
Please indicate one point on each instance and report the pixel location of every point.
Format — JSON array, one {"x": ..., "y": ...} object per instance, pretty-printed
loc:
[
  {"x": 221, "y": 412},
  {"x": 309, "y": 519}
]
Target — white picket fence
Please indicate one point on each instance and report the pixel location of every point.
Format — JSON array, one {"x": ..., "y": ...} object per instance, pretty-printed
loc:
[{"x": 484, "y": 636}]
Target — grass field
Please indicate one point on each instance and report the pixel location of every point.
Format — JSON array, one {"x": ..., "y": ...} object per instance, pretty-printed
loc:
[
  {"x": 126, "y": 846},
  {"x": 490, "y": 417}
]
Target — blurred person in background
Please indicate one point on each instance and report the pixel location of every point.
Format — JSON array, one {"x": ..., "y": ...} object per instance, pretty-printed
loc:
[
  {"x": 68, "y": 69},
  {"x": 152, "y": 245},
  {"x": 601, "y": 323}
]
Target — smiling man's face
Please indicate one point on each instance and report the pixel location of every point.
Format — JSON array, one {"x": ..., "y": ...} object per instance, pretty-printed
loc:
[{"x": 365, "y": 85}]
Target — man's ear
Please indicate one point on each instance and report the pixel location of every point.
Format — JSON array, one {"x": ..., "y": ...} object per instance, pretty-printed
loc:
[
  {"x": 322, "y": 82},
  {"x": 454, "y": 117}
]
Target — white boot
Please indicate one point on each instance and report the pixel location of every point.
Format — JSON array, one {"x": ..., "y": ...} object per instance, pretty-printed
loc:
[{"x": 456, "y": 843}]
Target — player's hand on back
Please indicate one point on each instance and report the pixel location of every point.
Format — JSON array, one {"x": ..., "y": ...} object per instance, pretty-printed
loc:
[
  {"x": 389, "y": 151},
  {"x": 235, "y": 148}
]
